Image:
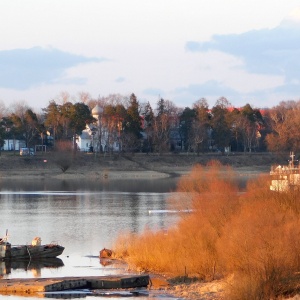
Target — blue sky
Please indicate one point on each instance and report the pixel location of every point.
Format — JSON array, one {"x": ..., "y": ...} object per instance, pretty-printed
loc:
[{"x": 245, "y": 50}]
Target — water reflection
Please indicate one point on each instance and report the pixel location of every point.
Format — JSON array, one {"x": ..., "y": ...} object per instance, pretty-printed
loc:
[
  {"x": 82, "y": 221},
  {"x": 35, "y": 266},
  {"x": 162, "y": 185}
]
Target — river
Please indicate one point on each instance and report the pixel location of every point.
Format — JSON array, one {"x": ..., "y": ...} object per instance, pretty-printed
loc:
[{"x": 83, "y": 216}]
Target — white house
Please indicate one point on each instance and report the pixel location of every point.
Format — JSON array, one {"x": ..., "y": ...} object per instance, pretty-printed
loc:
[
  {"x": 11, "y": 144},
  {"x": 83, "y": 141}
]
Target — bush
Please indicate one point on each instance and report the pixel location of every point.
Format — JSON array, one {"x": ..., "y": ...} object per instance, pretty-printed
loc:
[
  {"x": 260, "y": 244},
  {"x": 190, "y": 246},
  {"x": 63, "y": 155},
  {"x": 254, "y": 236}
]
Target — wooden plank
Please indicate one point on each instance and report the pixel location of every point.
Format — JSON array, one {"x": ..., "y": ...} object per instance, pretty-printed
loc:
[
  {"x": 118, "y": 282},
  {"x": 37, "y": 285},
  {"x": 29, "y": 286},
  {"x": 134, "y": 281}
]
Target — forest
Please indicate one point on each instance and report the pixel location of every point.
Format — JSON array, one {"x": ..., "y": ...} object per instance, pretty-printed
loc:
[{"x": 139, "y": 127}]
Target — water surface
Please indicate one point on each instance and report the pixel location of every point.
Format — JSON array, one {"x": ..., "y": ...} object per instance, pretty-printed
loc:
[{"x": 83, "y": 216}]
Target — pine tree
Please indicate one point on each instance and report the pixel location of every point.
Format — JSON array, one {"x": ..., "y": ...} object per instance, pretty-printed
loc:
[{"x": 133, "y": 119}]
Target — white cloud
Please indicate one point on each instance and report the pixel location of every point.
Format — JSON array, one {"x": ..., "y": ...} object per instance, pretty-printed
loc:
[
  {"x": 144, "y": 46},
  {"x": 269, "y": 58},
  {"x": 294, "y": 16}
]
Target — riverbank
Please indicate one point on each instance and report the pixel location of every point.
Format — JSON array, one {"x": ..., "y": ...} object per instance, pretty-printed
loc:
[{"x": 95, "y": 165}]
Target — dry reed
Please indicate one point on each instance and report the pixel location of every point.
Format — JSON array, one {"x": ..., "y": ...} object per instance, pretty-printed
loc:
[{"x": 254, "y": 235}]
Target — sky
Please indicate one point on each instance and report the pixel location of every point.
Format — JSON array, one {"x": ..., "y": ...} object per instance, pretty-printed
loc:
[{"x": 181, "y": 50}]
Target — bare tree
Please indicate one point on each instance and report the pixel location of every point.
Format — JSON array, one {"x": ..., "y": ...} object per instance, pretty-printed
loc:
[
  {"x": 3, "y": 110},
  {"x": 85, "y": 97},
  {"x": 62, "y": 156},
  {"x": 201, "y": 127},
  {"x": 285, "y": 119},
  {"x": 161, "y": 133}
]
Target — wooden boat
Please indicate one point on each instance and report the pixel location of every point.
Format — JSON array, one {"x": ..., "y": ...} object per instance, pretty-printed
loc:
[{"x": 33, "y": 251}]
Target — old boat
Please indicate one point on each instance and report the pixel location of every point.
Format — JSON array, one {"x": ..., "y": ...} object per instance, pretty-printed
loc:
[
  {"x": 34, "y": 251},
  {"x": 286, "y": 178}
]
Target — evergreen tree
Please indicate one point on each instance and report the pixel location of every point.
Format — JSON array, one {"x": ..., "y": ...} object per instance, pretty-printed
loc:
[
  {"x": 133, "y": 120},
  {"x": 161, "y": 107},
  {"x": 220, "y": 123},
  {"x": 52, "y": 120},
  {"x": 80, "y": 115},
  {"x": 148, "y": 127},
  {"x": 148, "y": 115},
  {"x": 187, "y": 119},
  {"x": 26, "y": 126}
]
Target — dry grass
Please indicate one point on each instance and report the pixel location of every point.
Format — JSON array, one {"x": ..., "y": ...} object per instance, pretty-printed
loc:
[{"x": 254, "y": 235}]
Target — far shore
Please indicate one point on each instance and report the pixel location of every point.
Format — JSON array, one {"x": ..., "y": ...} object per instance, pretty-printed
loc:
[
  {"x": 115, "y": 174},
  {"x": 139, "y": 166}
]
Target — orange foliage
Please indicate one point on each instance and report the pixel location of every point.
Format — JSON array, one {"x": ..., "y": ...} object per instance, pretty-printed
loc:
[{"x": 254, "y": 235}]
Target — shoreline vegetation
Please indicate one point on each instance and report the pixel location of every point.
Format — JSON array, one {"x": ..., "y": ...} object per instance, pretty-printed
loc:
[
  {"x": 231, "y": 245},
  {"x": 245, "y": 250}
]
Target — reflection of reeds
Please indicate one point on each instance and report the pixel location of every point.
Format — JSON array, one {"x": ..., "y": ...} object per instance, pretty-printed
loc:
[{"x": 254, "y": 235}]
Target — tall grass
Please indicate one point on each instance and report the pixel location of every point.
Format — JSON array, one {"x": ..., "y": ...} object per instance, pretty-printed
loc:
[{"x": 254, "y": 235}]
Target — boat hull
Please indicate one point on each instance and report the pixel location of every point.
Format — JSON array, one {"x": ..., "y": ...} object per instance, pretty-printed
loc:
[{"x": 30, "y": 252}]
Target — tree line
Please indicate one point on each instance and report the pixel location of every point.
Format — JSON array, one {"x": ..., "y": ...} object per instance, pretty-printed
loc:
[{"x": 138, "y": 126}]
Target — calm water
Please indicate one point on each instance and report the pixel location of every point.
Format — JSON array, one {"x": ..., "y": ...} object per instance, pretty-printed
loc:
[{"x": 83, "y": 216}]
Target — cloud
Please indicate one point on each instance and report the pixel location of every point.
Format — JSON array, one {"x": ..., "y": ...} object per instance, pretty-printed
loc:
[
  {"x": 120, "y": 79},
  {"x": 267, "y": 51},
  {"x": 25, "y": 68},
  {"x": 153, "y": 92},
  {"x": 293, "y": 18},
  {"x": 289, "y": 89},
  {"x": 209, "y": 88}
]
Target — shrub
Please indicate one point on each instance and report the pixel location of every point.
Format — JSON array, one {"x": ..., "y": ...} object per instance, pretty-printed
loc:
[
  {"x": 63, "y": 155},
  {"x": 190, "y": 246},
  {"x": 260, "y": 244},
  {"x": 254, "y": 236}
]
